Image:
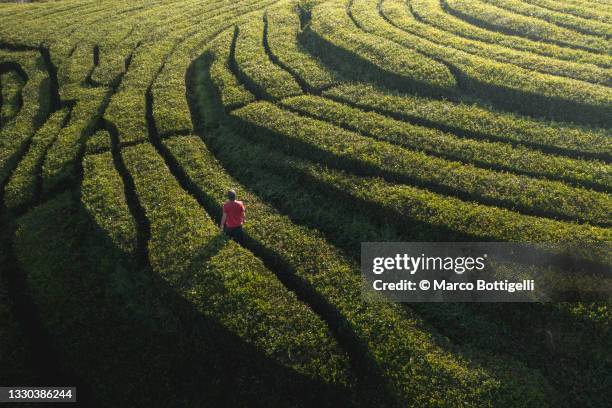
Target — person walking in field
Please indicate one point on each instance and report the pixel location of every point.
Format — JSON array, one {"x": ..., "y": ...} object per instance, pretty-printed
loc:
[{"x": 233, "y": 216}]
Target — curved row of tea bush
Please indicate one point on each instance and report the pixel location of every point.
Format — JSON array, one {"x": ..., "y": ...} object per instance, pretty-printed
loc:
[
  {"x": 136, "y": 325},
  {"x": 283, "y": 37},
  {"x": 474, "y": 121},
  {"x": 22, "y": 186},
  {"x": 340, "y": 148},
  {"x": 143, "y": 62},
  {"x": 439, "y": 217},
  {"x": 61, "y": 161},
  {"x": 333, "y": 36},
  {"x": 386, "y": 329},
  {"x": 498, "y": 19},
  {"x": 306, "y": 193},
  {"x": 103, "y": 197},
  {"x": 127, "y": 108},
  {"x": 493, "y": 155},
  {"x": 581, "y": 25},
  {"x": 174, "y": 115},
  {"x": 166, "y": 77},
  {"x": 428, "y": 14},
  {"x": 232, "y": 93},
  {"x": 36, "y": 106},
  {"x": 254, "y": 66},
  {"x": 505, "y": 85},
  {"x": 10, "y": 98},
  {"x": 225, "y": 281},
  {"x": 577, "y": 8},
  {"x": 450, "y": 23},
  {"x": 99, "y": 142}
]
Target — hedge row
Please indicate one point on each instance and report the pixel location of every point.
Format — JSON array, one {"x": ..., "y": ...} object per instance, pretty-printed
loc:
[
  {"x": 508, "y": 86},
  {"x": 167, "y": 76},
  {"x": 155, "y": 66},
  {"x": 74, "y": 69},
  {"x": 578, "y": 8},
  {"x": 225, "y": 281},
  {"x": 283, "y": 33},
  {"x": 137, "y": 326},
  {"x": 419, "y": 214},
  {"x": 493, "y": 155},
  {"x": 21, "y": 188},
  {"x": 333, "y": 36},
  {"x": 10, "y": 99},
  {"x": 231, "y": 92},
  {"x": 340, "y": 148},
  {"x": 103, "y": 197},
  {"x": 99, "y": 142},
  {"x": 407, "y": 356},
  {"x": 474, "y": 121},
  {"x": 495, "y": 18},
  {"x": 429, "y": 13},
  {"x": 581, "y": 25},
  {"x": 14, "y": 137},
  {"x": 407, "y": 204},
  {"x": 254, "y": 66},
  {"x": 465, "y": 29},
  {"x": 40, "y": 29},
  {"x": 123, "y": 36},
  {"x": 127, "y": 107},
  {"x": 174, "y": 115},
  {"x": 62, "y": 158}
]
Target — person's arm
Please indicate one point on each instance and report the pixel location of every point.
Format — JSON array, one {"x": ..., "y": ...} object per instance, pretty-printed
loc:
[
  {"x": 243, "y": 214},
  {"x": 223, "y": 218}
]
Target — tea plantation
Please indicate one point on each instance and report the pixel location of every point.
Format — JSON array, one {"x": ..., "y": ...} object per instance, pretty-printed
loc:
[{"x": 124, "y": 123}]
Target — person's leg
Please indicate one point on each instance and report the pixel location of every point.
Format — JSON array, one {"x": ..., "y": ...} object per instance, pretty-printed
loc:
[{"x": 237, "y": 234}]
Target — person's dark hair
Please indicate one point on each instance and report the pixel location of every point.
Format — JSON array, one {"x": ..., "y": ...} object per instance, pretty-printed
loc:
[{"x": 231, "y": 195}]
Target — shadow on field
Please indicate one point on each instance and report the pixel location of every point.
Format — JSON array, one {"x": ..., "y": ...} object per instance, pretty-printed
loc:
[{"x": 130, "y": 337}]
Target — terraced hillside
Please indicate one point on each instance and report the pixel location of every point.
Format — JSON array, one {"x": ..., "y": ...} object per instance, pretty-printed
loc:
[{"x": 123, "y": 123}]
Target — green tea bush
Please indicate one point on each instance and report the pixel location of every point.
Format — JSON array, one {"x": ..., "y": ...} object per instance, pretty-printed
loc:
[
  {"x": 493, "y": 155},
  {"x": 474, "y": 121},
  {"x": 232, "y": 93},
  {"x": 10, "y": 86},
  {"x": 429, "y": 24},
  {"x": 35, "y": 93},
  {"x": 422, "y": 214},
  {"x": 103, "y": 197},
  {"x": 453, "y": 24},
  {"x": 283, "y": 32},
  {"x": 22, "y": 186},
  {"x": 99, "y": 142},
  {"x": 254, "y": 66},
  {"x": 334, "y": 36},
  {"x": 59, "y": 167},
  {"x": 508, "y": 86},
  {"x": 340, "y": 148},
  {"x": 577, "y": 8},
  {"x": 492, "y": 17},
  {"x": 173, "y": 115},
  {"x": 581, "y": 25}
]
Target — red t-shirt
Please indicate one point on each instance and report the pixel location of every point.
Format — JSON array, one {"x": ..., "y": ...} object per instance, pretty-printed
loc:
[{"x": 234, "y": 211}]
